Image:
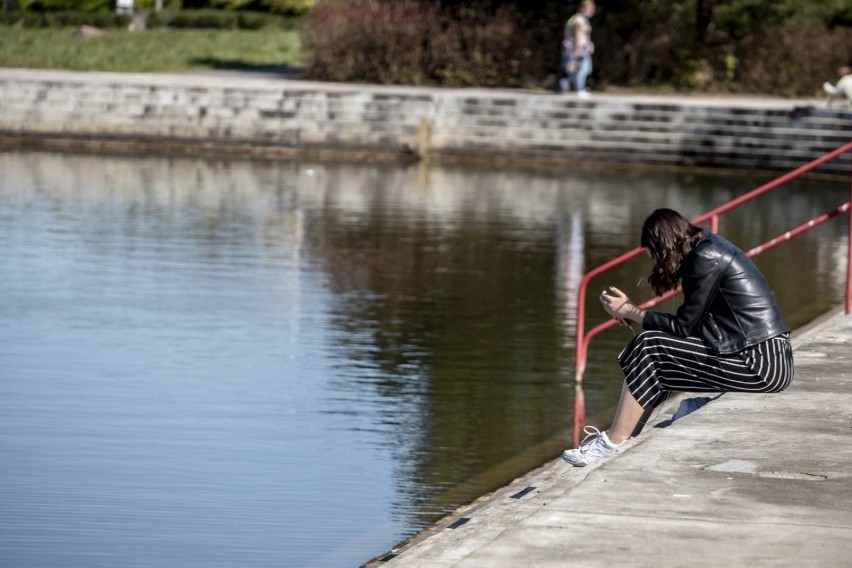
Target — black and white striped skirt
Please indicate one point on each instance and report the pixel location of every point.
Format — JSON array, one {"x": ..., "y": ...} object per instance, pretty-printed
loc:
[{"x": 656, "y": 363}]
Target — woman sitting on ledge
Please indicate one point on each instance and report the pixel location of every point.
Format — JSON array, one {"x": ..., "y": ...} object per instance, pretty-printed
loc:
[{"x": 728, "y": 335}]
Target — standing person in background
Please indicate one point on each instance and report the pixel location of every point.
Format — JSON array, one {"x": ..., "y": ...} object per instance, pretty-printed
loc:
[{"x": 577, "y": 50}]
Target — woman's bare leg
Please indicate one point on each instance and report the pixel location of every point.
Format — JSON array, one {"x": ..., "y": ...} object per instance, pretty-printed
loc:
[{"x": 627, "y": 416}]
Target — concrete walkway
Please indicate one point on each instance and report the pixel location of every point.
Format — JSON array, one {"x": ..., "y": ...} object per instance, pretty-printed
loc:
[{"x": 747, "y": 480}]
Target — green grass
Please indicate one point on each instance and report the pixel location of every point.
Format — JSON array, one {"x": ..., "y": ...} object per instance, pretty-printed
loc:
[{"x": 150, "y": 51}]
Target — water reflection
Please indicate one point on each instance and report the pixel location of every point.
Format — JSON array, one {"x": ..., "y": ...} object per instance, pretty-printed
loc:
[{"x": 289, "y": 363}]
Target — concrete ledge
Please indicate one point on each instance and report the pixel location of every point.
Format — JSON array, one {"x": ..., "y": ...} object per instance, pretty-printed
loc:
[
  {"x": 747, "y": 480},
  {"x": 235, "y": 114}
]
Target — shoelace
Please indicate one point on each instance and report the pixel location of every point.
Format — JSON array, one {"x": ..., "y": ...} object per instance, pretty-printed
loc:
[{"x": 592, "y": 434}]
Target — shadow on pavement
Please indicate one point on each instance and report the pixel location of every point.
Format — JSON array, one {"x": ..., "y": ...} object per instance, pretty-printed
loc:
[{"x": 687, "y": 406}]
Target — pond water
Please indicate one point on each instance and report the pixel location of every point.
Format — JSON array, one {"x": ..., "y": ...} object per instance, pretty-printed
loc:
[{"x": 267, "y": 363}]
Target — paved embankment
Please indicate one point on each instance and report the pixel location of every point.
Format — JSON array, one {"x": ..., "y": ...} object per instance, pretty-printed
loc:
[
  {"x": 227, "y": 113},
  {"x": 746, "y": 480}
]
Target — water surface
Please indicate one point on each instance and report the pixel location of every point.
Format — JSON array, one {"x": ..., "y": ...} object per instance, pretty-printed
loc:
[{"x": 239, "y": 363}]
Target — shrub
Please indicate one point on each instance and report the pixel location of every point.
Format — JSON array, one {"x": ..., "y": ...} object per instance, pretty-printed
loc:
[
  {"x": 252, "y": 20},
  {"x": 646, "y": 43},
  {"x": 64, "y": 19},
  {"x": 803, "y": 70},
  {"x": 477, "y": 50},
  {"x": 364, "y": 42},
  {"x": 67, "y": 5},
  {"x": 782, "y": 48},
  {"x": 287, "y": 7},
  {"x": 283, "y": 7},
  {"x": 230, "y": 4},
  {"x": 217, "y": 19},
  {"x": 407, "y": 42}
]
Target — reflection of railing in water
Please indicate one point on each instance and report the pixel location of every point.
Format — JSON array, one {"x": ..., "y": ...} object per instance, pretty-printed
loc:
[{"x": 583, "y": 338}]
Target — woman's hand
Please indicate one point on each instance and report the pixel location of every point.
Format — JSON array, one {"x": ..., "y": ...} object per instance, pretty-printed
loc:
[{"x": 618, "y": 305}]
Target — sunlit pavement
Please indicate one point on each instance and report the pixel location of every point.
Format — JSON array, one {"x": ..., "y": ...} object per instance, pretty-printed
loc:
[{"x": 747, "y": 480}]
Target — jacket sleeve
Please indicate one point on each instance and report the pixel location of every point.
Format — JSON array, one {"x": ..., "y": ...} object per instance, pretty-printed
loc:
[{"x": 699, "y": 288}]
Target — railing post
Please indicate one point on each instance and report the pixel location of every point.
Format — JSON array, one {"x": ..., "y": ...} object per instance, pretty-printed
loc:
[
  {"x": 579, "y": 351},
  {"x": 849, "y": 253},
  {"x": 579, "y": 414}
]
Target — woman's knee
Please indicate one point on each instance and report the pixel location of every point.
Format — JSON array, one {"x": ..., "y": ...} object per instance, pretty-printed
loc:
[{"x": 645, "y": 344}]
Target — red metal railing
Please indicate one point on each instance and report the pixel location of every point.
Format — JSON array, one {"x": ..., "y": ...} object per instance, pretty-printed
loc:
[{"x": 584, "y": 339}]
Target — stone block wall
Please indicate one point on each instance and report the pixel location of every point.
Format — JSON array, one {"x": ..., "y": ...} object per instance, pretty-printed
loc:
[
  {"x": 773, "y": 135},
  {"x": 292, "y": 117}
]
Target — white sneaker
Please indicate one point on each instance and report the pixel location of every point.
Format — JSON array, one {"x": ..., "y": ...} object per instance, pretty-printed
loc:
[
  {"x": 584, "y": 94},
  {"x": 594, "y": 446}
]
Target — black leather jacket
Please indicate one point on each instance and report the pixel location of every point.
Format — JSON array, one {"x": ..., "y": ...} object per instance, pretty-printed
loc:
[{"x": 727, "y": 301}]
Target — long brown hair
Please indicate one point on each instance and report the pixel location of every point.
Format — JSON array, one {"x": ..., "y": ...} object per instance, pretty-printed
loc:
[{"x": 669, "y": 236}]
